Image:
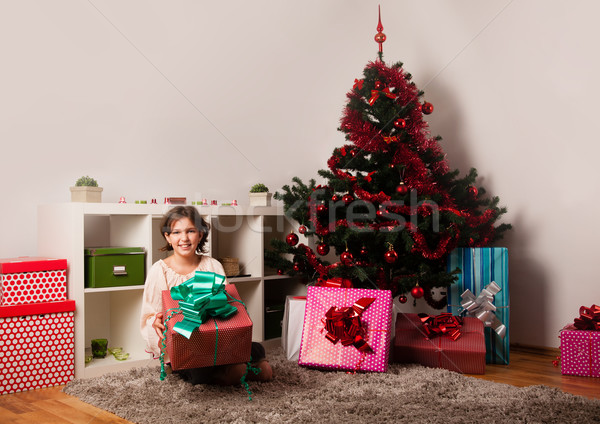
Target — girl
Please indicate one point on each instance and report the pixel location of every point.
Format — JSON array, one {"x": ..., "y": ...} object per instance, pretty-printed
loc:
[{"x": 186, "y": 234}]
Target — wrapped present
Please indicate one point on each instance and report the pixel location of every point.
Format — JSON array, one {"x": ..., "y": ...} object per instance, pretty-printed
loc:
[
  {"x": 346, "y": 329},
  {"x": 482, "y": 291},
  {"x": 457, "y": 344},
  {"x": 580, "y": 344},
  {"x": 206, "y": 323},
  {"x": 37, "y": 342},
  {"x": 291, "y": 327},
  {"x": 32, "y": 280}
]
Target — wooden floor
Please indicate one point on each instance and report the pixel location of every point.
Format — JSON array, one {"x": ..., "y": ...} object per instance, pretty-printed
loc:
[{"x": 528, "y": 367}]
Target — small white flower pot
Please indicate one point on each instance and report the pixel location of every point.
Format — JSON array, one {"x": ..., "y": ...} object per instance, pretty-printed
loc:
[
  {"x": 260, "y": 199},
  {"x": 86, "y": 194}
]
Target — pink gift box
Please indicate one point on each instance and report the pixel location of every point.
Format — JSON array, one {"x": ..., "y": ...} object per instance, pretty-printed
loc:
[
  {"x": 32, "y": 280},
  {"x": 579, "y": 352},
  {"x": 36, "y": 345},
  {"x": 316, "y": 350}
]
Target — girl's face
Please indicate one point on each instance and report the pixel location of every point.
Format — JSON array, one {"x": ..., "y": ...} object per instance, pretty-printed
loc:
[{"x": 184, "y": 237}]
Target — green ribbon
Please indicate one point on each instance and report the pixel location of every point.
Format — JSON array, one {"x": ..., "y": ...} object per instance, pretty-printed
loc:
[{"x": 201, "y": 298}]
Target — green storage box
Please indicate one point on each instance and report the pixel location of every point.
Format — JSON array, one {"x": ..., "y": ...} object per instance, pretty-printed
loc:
[
  {"x": 273, "y": 321},
  {"x": 114, "y": 266}
]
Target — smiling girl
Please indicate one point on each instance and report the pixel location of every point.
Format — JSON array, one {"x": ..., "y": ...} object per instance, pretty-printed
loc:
[{"x": 186, "y": 233}]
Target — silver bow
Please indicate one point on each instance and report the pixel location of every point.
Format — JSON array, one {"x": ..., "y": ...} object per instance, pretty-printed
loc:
[{"x": 482, "y": 307}]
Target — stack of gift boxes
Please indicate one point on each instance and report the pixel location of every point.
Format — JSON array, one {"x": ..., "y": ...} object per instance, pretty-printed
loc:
[{"x": 36, "y": 324}]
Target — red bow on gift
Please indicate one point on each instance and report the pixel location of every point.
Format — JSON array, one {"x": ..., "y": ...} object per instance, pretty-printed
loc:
[
  {"x": 344, "y": 324},
  {"x": 444, "y": 324},
  {"x": 589, "y": 318},
  {"x": 337, "y": 282}
]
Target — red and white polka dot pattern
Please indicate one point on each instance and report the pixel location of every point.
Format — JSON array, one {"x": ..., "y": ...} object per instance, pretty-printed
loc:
[
  {"x": 36, "y": 351},
  {"x": 33, "y": 287},
  {"x": 317, "y": 351},
  {"x": 580, "y": 352}
]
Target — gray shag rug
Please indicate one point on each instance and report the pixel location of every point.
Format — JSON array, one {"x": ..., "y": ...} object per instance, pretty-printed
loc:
[{"x": 406, "y": 393}]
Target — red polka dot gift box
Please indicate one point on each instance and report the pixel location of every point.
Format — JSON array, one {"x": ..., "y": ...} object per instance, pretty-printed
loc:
[
  {"x": 32, "y": 280},
  {"x": 36, "y": 345},
  {"x": 217, "y": 340},
  {"x": 346, "y": 329}
]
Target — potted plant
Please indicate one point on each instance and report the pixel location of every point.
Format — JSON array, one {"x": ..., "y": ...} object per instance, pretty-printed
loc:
[
  {"x": 86, "y": 190},
  {"x": 259, "y": 195}
]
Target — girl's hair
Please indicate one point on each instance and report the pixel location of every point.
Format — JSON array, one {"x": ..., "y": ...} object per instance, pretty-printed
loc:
[{"x": 176, "y": 214}]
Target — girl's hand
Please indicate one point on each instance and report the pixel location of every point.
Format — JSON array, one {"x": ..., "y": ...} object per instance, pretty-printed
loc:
[{"x": 158, "y": 325}]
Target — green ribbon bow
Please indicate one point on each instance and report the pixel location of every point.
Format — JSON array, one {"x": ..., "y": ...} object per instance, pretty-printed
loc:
[{"x": 201, "y": 298}]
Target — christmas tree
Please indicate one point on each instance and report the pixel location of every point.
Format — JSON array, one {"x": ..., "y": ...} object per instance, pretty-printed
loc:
[{"x": 391, "y": 209}]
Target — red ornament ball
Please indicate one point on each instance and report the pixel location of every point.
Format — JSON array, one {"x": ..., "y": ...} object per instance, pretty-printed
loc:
[
  {"x": 346, "y": 258},
  {"x": 292, "y": 239},
  {"x": 417, "y": 292},
  {"x": 302, "y": 229},
  {"x": 297, "y": 266},
  {"x": 402, "y": 189},
  {"x": 322, "y": 209},
  {"x": 323, "y": 249},
  {"x": 280, "y": 272},
  {"x": 380, "y": 37},
  {"x": 400, "y": 123},
  {"x": 390, "y": 256},
  {"x": 473, "y": 191},
  {"x": 378, "y": 85},
  {"x": 427, "y": 108},
  {"x": 348, "y": 198},
  {"x": 402, "y": 298},
  {"x": 364, "y": 251},
  {"x": 335, "y": 198}
]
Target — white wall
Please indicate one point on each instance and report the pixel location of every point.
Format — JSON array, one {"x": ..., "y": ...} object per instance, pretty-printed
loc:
[{"x": 202, "y": 99}]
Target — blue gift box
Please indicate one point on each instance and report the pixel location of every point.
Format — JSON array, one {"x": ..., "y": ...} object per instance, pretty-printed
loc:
[{"x": 480, "y": 266}]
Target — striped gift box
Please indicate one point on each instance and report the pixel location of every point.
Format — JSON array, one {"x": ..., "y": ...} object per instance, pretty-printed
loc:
[{"x": 480, "y": 266}]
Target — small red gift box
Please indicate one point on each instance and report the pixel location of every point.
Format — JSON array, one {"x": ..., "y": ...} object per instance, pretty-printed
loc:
[
  {"x": 32, "y": 280},
  {"x": 36, "y": 345},
  {"x": 216, "y": 342},
  {"x": 466, "y": 354}
]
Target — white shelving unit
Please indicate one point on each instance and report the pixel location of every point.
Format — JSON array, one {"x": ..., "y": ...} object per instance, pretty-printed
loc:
[{"x": 65, "y": 230}]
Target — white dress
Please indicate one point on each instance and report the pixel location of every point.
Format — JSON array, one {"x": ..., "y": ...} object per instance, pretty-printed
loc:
[{"x": 161, "y": 277}]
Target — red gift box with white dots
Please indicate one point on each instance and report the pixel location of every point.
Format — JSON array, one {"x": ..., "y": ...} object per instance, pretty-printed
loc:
[
  {"x": 32, "y": 280},
  {"x": 36, "y": 345},
  {"x": 216, "y": 342},
  {"x": 579, "y": 352},
  {"x": 316, "y": 350}
]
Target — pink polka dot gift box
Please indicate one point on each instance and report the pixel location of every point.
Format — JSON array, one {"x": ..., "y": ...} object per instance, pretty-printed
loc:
[
  {"x": 346, "y": 329},
  {"x": 36, "y": 345},
  {"x": 32, "y": 280},
  {"x": 580, "y": 344}
]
